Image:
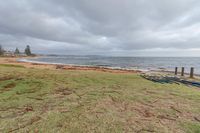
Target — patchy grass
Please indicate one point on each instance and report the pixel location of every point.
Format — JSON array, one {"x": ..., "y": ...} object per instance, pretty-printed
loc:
[
  {"x": 192, "y": 127},
  {"x": 35, "y": 100},
  {"x": 11, "y": 65}
]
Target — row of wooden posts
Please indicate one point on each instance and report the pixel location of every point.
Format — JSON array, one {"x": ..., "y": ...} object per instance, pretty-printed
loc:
[{"x": 183, "y": 71}]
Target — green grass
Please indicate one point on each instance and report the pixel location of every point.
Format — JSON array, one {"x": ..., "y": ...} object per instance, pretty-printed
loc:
[
  {"x": 41, "y": 100},
  {"x": 11, "y": 65},
  {"x": 192, "y": 127}
]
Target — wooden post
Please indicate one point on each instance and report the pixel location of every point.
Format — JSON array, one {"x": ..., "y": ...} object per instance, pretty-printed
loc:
[
  {"x": 192, "y": 72},
  {"x": 176, "y": 70},
  {"x": 182, "y": 71}
]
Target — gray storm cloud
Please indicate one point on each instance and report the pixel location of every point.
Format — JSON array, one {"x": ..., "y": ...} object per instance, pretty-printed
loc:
[{"x": 128, "y": 27}]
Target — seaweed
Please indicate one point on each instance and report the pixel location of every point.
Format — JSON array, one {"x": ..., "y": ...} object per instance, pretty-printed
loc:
[{"x": 170, "y": 80}]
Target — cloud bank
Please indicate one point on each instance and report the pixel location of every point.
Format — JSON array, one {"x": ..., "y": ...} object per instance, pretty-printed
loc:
[{"x": 105, "y": 27}]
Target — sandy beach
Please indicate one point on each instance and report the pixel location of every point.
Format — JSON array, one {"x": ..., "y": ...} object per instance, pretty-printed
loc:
[{"x": 13, "y": 61}]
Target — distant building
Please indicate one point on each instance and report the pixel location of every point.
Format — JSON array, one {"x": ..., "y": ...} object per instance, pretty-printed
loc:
[
  {"x": 9, "y": 53},
  {"x": 12, "y": 54},
  {"x": 22, "y": 54}
]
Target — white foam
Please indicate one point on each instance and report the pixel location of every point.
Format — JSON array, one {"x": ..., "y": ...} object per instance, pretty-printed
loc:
[{"x": 114, "y": 68}]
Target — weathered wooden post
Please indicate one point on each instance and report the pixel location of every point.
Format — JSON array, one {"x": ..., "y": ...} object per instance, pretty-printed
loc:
[
  {"x": 176, "y": 70},
  {"x": 182, "y": 71},
  {"x": 192, "y": 72}
]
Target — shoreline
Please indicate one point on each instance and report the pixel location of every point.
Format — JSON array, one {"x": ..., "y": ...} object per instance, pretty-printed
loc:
[
  {"x": 44, "y": 65},
  {"x": 27, "y": 64}
]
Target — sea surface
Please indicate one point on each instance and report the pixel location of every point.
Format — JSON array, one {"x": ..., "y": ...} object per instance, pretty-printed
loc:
[{"x": 135, "y": 63}]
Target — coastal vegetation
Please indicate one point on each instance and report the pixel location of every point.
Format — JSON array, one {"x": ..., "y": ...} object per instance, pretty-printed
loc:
[
  {"x": 1, "y": 50},
  {"x": 17, "y": 51},
  {"x": 27, "y": 50},
  {"x": 5, "y": 53},
  {"x": 57, "y": 100}
]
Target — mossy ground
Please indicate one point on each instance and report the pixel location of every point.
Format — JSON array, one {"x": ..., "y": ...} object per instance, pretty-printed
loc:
[{"x": 42, "y": 100}]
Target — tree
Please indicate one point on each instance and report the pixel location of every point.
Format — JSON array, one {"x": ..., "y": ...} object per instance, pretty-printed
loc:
[
  {"x": 28, "y": 50},
  {"x": 1, "y": 50},
  {"x": 17, "y": 51}
]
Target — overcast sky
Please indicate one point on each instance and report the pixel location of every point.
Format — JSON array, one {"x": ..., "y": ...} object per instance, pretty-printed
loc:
[{"x": 102, "y": 27}]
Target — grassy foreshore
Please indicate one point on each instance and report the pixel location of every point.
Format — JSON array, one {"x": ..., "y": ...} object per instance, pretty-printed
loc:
[{"x": 40, "y": 98}]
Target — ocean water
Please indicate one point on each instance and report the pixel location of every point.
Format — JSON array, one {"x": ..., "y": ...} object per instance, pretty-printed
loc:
[{"x": 139, "y": 63}]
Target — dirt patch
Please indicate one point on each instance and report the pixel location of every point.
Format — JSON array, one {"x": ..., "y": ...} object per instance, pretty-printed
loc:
[
  {"x": 151, "y": 92},
  {"x": 59, "y": 66},
  {"x": 146, "y": 130},
  {"x": 36, "y": 98},
  {"x": 30, "y": 122},
  {"x": 17, "y": 79},
  {"x": 197, "y": 119},
  {"x": 175, "y": 109},
  {"x": 11, "y": 85},
  {"x": 63, "y": 91},
  {"x": 35, "y": 64},
  {"x": 15, "y": 111},
  {"x": 7, "y": 87},
  {"x": 145, "y": 112},
  {"x": 5, "y": 78},
  {"x": 167, "y": 117},
  {"x": 28, "y": 108}
]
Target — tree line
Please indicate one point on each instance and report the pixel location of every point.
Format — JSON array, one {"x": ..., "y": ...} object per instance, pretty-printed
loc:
[{"x": 27, "y": 51}]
